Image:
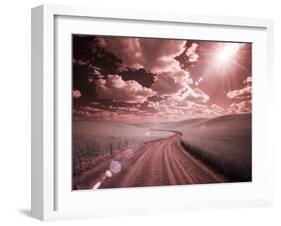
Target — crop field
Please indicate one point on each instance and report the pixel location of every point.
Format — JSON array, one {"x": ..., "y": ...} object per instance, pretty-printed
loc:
[
  {"x": 223, "y": 142},
  {"x": 94, "y": 142}
]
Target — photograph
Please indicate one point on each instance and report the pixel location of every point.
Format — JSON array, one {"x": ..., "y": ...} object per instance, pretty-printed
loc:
[{"x": 150, "y": 111}]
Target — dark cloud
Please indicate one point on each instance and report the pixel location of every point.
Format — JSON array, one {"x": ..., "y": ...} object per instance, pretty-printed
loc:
[
  {"x": 146, "y": 79},
  {"x": 86, "y": 49}
]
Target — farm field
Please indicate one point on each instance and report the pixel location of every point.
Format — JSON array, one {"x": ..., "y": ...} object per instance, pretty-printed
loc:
[
  {"x": 224, "y": 142},
  {"x": 94, "y": 142},
  {"x": 185, "y": 152}
]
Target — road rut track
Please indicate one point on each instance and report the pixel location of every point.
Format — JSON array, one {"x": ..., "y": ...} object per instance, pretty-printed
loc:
[{"x": 155, "y": 163}]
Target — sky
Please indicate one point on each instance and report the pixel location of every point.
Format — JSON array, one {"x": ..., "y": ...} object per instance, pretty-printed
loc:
[{"x": 131, "y": 79}]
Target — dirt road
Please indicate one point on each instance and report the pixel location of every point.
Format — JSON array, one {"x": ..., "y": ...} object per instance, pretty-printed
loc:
[{"x": 161, "y": 162}]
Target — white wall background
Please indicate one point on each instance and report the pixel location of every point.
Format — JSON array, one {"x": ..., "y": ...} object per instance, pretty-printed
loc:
[{"x": 15, "y": 112}]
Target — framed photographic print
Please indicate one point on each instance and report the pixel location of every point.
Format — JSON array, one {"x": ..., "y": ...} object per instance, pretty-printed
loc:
[{"x": 137, "y": 112}]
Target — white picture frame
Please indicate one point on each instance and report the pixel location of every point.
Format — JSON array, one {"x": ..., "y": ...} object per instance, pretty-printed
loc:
[{"x": 52, "y": 199}]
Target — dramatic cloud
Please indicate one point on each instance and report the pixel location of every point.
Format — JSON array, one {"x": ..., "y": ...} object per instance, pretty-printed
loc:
[
  {"x": 155, "y": 55},
  {"x": 90, "y": 109},
  {"x": 178, "y": 109},
  {"x": 248, "y": 80},
  {"x": 171, "y": 82},
  {"x": 241, "y": 94},
  {"x": 191, "y": 53},
  {"x": 95, "y": 70},
  {"x": 78, "y": 115},
  {"x": 86, "y": 113},
  {"x": 218, "y": 110},
  {"x": 116, "y": 89},
  {"x": 241, "y": 107},
  {"x": 76, "y": 94},
  {"x": 124, "y": 114},
  {"x": 196, "y": 95},
  {"x": 242, "y": 98},
  {"x": 154, "y": 79},
  {"x": 123, "y": 109},
  {"x": 94, "y": 73}
]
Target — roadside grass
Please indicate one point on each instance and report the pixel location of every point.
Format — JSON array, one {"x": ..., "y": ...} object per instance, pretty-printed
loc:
[{"x": 225, "y": 145}]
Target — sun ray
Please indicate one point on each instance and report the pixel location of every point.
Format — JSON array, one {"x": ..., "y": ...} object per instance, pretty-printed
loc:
[{"x": 240, "y": 65}]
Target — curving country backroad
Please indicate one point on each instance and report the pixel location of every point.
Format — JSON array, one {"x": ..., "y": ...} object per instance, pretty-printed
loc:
[{"x": 155, "y": 163}]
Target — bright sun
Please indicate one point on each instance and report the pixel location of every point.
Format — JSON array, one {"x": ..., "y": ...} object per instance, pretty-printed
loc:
[
  {"x": 226, "y": 52},
  {"x": 225, "y": 58}
]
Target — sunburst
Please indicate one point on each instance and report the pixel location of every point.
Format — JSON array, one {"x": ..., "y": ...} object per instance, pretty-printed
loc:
[{"x": 226, "y": 52}]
